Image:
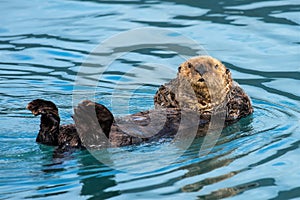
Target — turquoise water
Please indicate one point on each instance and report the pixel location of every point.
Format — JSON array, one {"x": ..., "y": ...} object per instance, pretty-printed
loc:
[{"x": 44, "y": 43}]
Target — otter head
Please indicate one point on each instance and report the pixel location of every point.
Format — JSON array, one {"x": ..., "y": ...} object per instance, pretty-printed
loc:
[
  {"x": 49, "y": 127},
  {"x": 210, "y": 80}
]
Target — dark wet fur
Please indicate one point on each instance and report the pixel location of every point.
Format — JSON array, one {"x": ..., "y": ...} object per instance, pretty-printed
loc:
[{"x": 65, "y": 137}]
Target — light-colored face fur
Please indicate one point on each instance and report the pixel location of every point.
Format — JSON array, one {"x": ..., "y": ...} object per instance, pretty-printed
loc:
[{"x": 210, "y": 80}]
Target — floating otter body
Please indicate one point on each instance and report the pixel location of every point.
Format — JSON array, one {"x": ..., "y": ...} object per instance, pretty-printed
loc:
[
  {"x": 96, "y": 127},
  {"x": 203, "y": 87}
]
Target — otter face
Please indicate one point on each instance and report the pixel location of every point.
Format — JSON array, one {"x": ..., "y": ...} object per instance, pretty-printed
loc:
[
  {"x": 209, "y": 78},
  {"x": 40, "y": 106}
]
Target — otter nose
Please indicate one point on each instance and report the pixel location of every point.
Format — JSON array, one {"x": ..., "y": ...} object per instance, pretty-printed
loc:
[{"x": 201, "y": 70}]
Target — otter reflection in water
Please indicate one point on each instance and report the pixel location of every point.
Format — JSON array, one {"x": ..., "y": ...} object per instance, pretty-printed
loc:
[{"x": 203, "y": 86}]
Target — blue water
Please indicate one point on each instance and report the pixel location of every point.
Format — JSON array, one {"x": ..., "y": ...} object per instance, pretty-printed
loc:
[{"x": 43, "y": 45}]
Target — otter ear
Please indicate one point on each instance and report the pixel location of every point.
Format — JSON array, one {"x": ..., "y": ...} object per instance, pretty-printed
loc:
[{"x": 179, "y": 68}]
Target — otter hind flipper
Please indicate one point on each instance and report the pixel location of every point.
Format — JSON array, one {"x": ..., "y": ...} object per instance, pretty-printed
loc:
[{"x": 93, "y": 122}]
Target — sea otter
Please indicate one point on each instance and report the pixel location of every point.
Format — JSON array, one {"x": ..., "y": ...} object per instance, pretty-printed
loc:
[{"x": 203, "y": 87}]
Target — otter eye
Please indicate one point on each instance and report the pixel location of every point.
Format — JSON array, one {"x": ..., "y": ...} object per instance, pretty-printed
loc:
[
  {"x": 190, "y": 65},
  {"x": 227, "y": 71},
  {"x": 216, "y": 66},
  {"x": 203, "y": 103},
  {"x": 179, "y": 68}
]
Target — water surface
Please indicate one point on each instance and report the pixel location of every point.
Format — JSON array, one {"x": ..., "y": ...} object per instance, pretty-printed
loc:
[{"x": 44, "y": 43}]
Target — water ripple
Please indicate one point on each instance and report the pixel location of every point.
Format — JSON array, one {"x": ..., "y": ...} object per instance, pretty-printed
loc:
[{"x": 43, "y": 45}]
